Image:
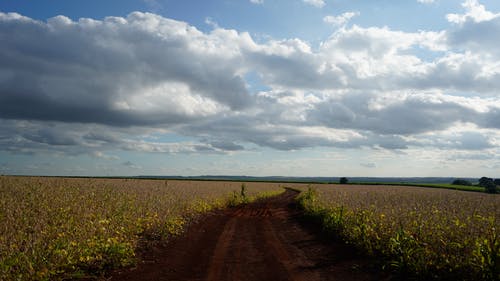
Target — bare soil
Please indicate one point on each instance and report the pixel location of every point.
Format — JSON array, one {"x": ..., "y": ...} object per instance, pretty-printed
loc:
[{"x": 264, "y": 240}]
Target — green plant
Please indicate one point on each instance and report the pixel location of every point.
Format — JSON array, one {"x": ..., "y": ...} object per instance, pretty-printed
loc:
[
  {"x": 308, "y": 199},
  {"x": 419, "y": 233},
  {"x": 243, "y": 193}
]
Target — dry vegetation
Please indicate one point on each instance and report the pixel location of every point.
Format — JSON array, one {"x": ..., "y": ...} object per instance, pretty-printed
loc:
[
  {"x": 59, "y": 228},
  {"x": 421, "y": 233}
]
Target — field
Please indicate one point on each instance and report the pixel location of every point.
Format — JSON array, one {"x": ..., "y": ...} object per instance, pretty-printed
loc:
[
  {"x": 57, "y": 228},
  {"x": 423, "y": 233},
  {"x": 71, "y": 228},
  {"x": 431, "y": 185}
]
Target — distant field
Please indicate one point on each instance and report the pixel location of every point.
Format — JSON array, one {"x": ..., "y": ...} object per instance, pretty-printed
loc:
[
  {"x": 425, "y": 233},
  {"x": 432, "y": 185},
  {"x": 59, "y": 228},
  {"x": 418, "y": 182}
]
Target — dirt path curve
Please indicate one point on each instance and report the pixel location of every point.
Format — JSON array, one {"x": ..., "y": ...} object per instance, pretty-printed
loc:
[{"x": 264, "y": 240}]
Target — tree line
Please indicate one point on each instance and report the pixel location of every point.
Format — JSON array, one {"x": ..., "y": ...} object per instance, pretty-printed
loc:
[{"x": 490, "y": 185}]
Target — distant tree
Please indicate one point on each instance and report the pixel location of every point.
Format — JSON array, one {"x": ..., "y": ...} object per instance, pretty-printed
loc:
[
  {"x": 497, "y": 181},
  {"x": 488, "y": 184},
  {"x": 461, "y": 182},
  {"x": 343, "y": 180},
  {"x": 484, "y": 181}
]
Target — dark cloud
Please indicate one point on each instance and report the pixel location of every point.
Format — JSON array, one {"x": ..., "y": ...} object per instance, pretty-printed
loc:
[
  {"x": 479, "y": 36},
  {"x": 491, "y": 119},
  {"x": 51, "y": 136},
  {"x": 404, "y": 115},
  {"x": 473, "y": 141},
  {"x": 227, "y": 145},
  {"x": 88, "y": 86},
  {"x": 109, "y": 71},
  {"x": 32, "y": 137}
]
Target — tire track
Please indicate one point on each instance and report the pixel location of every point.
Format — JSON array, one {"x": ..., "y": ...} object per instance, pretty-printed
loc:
[
  {"x": 219, "y": 256},
  {"x": 264, "y": 240}
]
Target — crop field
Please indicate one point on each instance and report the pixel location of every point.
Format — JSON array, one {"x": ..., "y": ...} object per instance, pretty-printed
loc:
[
  {"x": 60, "y": 228},
  {"x": 423, "y": 233},
  {"x": 431, "y": 185},
  {"x": 69, "y": 228}
]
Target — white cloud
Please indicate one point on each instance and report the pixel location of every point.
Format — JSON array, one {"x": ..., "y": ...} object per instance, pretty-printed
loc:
[
  {"x": 139, "y": 69},
  {"x": 426, "y": 1},
  {"x": 315, "y": 3},
  {"x": 474, "y": 33},
  {"x": 475, "y": 12},
  {"x": 209, "y": 21},
  {"x": 89, "y": 86},
  {"x": 341, "y": 19},
  {"x": 257, "y": 1}
]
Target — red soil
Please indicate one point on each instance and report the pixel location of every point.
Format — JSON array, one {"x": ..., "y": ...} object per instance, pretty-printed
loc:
[{"x": 265, "y": 240}]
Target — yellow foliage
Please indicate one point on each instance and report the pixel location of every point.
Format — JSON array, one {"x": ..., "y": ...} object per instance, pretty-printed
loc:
[{"x": 53, "y": 228}]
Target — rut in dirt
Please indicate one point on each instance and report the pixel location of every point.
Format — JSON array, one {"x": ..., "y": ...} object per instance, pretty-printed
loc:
[{"x": 264, "y": 240}]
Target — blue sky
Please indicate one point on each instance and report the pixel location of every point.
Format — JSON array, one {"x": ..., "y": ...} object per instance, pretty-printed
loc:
[{"x": 291, "y": 88}]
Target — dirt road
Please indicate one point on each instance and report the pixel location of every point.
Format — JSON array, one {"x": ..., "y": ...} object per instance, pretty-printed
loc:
[{"x": 264, "y": 240}]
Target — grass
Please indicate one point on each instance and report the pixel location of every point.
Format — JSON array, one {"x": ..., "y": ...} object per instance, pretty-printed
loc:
[
  {"x": 454, "y": 187},
  {"x": 62, "y": 228},
  {"x": 418, "y": 233}
]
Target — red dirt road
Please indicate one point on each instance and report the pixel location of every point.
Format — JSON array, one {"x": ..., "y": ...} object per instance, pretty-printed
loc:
[{"x": 264, "y": 240}]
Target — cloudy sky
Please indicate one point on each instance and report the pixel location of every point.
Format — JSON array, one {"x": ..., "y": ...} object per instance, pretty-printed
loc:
[{"x": 250, "y": 87}]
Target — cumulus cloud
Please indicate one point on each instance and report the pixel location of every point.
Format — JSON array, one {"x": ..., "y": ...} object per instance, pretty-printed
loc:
[
  {"x": 257, "y": 1},
  {"x": 475, "y": 12},
  {"x": 143, "y": 69},
  {"x": 415, "y": 113},
  {"x": 91, "y": 86},
  {"x": 474, "y": 32},
  {"x": 426, "y": 1}
]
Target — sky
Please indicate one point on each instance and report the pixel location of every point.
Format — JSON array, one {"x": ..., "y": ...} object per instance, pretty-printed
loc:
[{"x": 250, "y": 87}]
